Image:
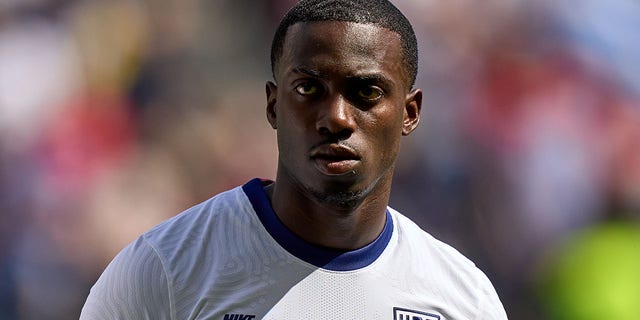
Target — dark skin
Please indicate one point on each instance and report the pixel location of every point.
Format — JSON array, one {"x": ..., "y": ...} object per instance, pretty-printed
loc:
[{"x": 340, "y": 107}]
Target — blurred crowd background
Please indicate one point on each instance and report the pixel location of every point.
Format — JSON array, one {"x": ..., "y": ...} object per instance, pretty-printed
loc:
[{"x": 118, "y": 114}]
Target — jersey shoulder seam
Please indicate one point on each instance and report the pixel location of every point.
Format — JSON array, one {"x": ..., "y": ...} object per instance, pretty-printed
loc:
[{"x": 163, "y": 263}]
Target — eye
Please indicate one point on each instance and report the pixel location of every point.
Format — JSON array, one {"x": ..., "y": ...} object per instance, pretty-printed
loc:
[
  {"x": 307, "y": 88},
  {"x": 369, "y": 93}
]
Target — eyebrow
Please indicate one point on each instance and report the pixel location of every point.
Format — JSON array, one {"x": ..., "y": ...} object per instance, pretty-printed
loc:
[
  {"x": 378, "y": 78},
  {"x": 308, "y": 71},
  {"x": 370, "y": 77},
  {"x": 374, "y": 77}
]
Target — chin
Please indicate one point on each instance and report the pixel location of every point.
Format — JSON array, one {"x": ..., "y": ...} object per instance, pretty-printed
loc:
[
  {"x": 340, "y": 192},
  {"x": 339, "y": 198}
]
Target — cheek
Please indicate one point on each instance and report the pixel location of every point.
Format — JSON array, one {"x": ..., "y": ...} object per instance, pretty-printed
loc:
[
  {"x": 288, "y": 136},
  {"x": 385, "y": 131},
  {"x": 293, "y": 114},
  {"x": 291, "y": 131},
  {"x": 388, "y": 123}
]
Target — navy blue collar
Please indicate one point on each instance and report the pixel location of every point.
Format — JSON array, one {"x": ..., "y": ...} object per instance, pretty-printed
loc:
[{"x": 331, "y": 259}]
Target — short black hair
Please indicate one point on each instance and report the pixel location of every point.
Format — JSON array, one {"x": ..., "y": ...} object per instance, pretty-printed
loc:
[{"x": 381, "y": 13}]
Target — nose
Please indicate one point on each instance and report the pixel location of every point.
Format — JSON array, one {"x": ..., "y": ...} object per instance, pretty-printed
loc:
[{"x": 336, "y": 118}]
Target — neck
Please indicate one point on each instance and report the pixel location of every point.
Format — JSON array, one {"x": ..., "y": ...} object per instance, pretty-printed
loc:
[{"x": 346, "y": 226}]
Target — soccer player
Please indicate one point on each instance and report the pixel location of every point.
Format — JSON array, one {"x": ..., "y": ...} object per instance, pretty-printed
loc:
[{"x": 319, "y": 242}]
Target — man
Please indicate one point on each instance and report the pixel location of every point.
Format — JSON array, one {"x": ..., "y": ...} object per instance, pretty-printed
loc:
[{"x": 319, "y": 242}]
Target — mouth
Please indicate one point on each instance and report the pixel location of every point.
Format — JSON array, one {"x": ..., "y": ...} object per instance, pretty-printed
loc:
[{"x": 335, "y": 159}]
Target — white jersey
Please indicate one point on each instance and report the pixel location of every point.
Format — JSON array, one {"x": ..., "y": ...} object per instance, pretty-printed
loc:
[{"x": 230, "y": 258}]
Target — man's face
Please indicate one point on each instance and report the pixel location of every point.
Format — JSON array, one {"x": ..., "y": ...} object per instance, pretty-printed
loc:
[{"x": 340, "y": 107}]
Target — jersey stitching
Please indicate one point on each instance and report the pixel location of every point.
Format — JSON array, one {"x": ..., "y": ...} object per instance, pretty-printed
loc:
[{"x": 166, "y": 274}]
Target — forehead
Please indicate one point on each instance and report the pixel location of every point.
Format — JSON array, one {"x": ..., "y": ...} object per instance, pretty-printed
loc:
[{"x": 342, "y": 46}]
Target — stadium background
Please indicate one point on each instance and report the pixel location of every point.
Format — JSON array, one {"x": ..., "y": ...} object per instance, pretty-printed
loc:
[{"x": 115, "y": 115}]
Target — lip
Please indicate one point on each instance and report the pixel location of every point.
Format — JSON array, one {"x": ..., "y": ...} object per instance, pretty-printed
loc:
[{"x": 335, "y": 159}]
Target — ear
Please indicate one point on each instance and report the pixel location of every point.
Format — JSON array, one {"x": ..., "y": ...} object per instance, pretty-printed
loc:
[
  {"x": 412, "y": 107},
  {"x": 272, "y": 94}
]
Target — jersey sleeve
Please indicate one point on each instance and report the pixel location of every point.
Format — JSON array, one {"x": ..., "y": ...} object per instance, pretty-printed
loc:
[{"x": 133, "y": 286}]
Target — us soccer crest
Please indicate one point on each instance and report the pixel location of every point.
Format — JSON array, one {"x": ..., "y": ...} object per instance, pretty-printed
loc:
[{"x": 407, "y": 314}]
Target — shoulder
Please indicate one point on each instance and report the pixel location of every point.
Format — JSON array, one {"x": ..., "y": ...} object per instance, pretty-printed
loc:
[
  {"x": 196, "y": 222},
  {"x": 147, "y": 277},
  {"x": 193, "y": 238},
  {"x": 133, "y": 286},
  {"x": 440, "y": 264},
  {"x": 422, "y": 243}
]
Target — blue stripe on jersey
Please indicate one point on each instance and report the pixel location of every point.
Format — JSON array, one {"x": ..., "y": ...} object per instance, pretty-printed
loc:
[{"x": 331, "y": 259}]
